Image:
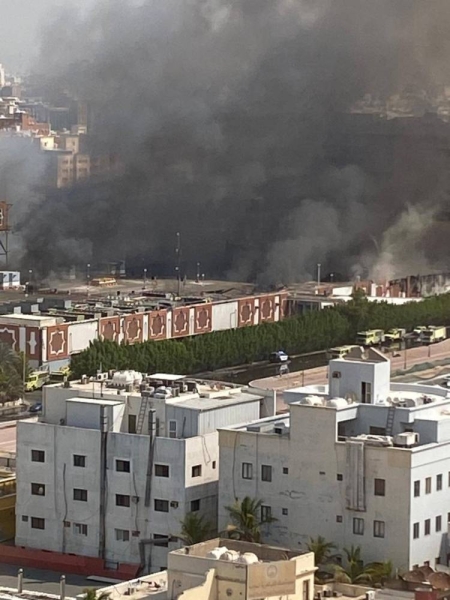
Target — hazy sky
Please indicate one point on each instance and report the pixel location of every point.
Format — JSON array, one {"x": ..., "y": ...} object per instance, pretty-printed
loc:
[{"x": 20, "y": 22}]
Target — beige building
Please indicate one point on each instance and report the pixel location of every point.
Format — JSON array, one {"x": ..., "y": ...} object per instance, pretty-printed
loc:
[{"x": 222, "y": 568}]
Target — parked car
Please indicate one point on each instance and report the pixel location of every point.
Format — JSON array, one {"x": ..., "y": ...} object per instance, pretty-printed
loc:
[
  {"x": 35, "y": 408},
  {"x": 278, "y": 357}
]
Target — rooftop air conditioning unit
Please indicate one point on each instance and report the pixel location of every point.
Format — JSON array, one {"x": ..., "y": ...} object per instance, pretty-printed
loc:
[
  {"x": 174, "y": 504},
  {"x": 102, "y": 376},
  {"x": 336, "y": 375},
  {"x": 135, "y": 499},
  {"x": 406, "y": 439}
]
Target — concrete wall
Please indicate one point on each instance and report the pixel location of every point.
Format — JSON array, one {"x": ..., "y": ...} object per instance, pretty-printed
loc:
[{"x": 81, "y": 334}]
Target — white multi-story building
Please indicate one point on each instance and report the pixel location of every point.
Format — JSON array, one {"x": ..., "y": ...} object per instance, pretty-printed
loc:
[
  {"x": 362, "y": 461},
  {"x": 111, "y": 473}
]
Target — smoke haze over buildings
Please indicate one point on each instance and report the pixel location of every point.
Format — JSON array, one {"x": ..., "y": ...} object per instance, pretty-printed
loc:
[{"x": 222, "y": 113}]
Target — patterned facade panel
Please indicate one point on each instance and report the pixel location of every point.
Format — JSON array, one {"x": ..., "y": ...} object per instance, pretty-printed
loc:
[
  {"x": 133, "y": 327},
  {"x": 57, "y": 342},
  {"x": 9, "y": 335},
  {"x": 180, "y": 321},
  {"x": 267, "y": 309},
  {"x": 246, "y": 312},
  {"x": 33, "y": 341},
  {"x": 203, "y": 318},
  {"x": 110, "y": 328},
  {"x": 157, "y": 325},
  {"x": 284, "y": 306}
]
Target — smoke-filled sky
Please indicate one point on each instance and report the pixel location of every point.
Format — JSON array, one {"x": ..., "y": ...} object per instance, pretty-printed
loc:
[{"x": 227, "y": 116}]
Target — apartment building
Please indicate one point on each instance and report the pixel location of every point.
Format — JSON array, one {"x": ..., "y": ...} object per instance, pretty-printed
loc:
[
  {"x": 362, "y": 461},
  {"x": 113, "y": 466}
]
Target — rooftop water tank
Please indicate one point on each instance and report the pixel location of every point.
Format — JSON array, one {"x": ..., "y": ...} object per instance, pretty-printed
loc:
[
  {"x": 312, "y": 401},
  {"x": 248, "y": 558},
  {"x": 337, "y": 403},
  {"x": 216, "y": 553},
  {"x": 230, "y": 555}
]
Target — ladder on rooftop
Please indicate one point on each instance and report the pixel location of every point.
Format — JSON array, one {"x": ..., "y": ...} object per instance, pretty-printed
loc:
[
  {"x": 390, "y": 420},
  {"x": 141, "y": 415}
]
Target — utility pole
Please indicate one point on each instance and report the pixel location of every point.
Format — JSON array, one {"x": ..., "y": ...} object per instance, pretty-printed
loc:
[{"x": 178, "y": 267}]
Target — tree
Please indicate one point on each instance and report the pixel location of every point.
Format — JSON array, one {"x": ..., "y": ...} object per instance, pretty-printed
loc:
[
  {"x": 322, "y": 550},
  {"x": 91, "y": 594},
  {"x": 12, "y": 374},
  {"x": 356, "y": 572},
  {"x": 247, "y": 519},
  {"x": 194, "y": 529}
]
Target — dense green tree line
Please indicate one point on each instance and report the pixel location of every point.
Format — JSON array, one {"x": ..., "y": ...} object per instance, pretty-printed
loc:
[{"x": 311, "y": 332}]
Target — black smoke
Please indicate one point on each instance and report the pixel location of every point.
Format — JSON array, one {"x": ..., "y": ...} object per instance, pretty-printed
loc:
[{"x": 228, "y": 118}]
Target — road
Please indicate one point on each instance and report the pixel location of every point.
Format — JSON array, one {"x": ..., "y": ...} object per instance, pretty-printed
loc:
[
  {"x": 47, "y": 582},
  {"x": 318, "y": 376}
]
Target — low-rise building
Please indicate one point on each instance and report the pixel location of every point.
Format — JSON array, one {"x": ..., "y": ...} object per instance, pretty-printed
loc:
[
  {"x": 114, "y": 465},
  {"x": 362, "y": 462},
  {"x": 221, "y": 568}
]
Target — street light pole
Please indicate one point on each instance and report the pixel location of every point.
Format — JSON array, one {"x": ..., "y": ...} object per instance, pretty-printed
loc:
[
  {"x": 318, "y": 273},
  {"x": 178, "y": 267},
  {"x": 145, "y": 278},
  {"x": 198, "y": 272},
  {"x": 88, "y": 275}
]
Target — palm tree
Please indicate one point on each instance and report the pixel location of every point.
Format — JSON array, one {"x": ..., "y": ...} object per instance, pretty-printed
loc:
[
  {"x": 322, "y": 550},
  {"x": 247, "y": 518},
  {"x": 354, "y": 572},
  {"x": 194, "y": 529},
  {"x": 91, "y": 594}
]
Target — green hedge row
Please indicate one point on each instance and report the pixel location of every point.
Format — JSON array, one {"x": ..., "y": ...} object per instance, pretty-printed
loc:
[{"x": 311, "y": 332}]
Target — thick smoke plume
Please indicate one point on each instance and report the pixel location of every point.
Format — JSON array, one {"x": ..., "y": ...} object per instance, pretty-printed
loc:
[{"x": 228, "y": 117}]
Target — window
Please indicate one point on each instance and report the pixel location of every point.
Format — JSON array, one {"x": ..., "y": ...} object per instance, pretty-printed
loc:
[
  {"x": 132, "y": 421},
  {"x": 378, "y": 529},
  {"x": 122, "y": 500},
  {"x": 122, "y": 535},
  {"x": 38, "y": 489},
  {"x": 285, "y": 471},
  {"x": 377, "y": 430},
  {"x": 37, "y": 456},
  {"x": 172, "y": 429},
  {"x": 80, "y": 529},
  {"x": 37, "y": 523},
  {"x": 438, "y": 523},
  {"x": 24, "y": 518},
  {"x": 306, "y": 588},
  {"x": 379, "y": 487},
  {"x": 438, "y": 483},
  {"x": 338, "y": 518},
  {"x": 197, "y": 471},
  {"x": 416, "y": 489},
  {"x": 162, "y": 541},
  {"x": 428, "y": 485},
  {"x": 79, "y": 460},
  {"x": 161, "y": 505},
  {"x": 339, "y": 477},
  {"x": 266, "y": 513},
  {"x": 80, "y": 495},
  {"x": 213, "y": 464},
  {"x": 161, "y": 470},
  {"x": 195, "y": 505},
  {"x": 366, "y": 392},
  {"x": 358, "y": 526},
  {"x": 266, "y": 473},
  {"x": 427, "y": 527},
  {"x": 247, "y": 471},
  {"x": 285, "y": 512},
  {"x": 122, "y": 466}
]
